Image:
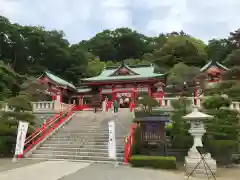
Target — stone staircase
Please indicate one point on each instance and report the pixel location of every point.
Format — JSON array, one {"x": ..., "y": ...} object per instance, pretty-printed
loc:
[{"x": 85, "y": 137}]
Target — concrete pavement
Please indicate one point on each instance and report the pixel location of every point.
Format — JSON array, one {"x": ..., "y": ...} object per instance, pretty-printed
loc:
[
  {"x": 49, "y": 170},
  {"x": 64, "y": 170}
]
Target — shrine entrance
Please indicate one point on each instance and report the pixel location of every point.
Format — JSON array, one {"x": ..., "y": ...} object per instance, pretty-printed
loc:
[{"x": 124, "y": 99}]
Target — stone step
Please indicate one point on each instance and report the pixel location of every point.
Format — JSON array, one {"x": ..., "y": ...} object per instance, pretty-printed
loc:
[
  {"x": 102, "y": 146},
  {"x": 90, "y": 158},
  {"x": 79, "y": 142},
  {"x": 81, "y": 139},
  {"x": 65, "y": 130},
  {"x": 70, "y": 136},
  {"x": 64, "y": 136},
  {"x": 76, "y": 153},
  {"x": 88, "y": 124},
  {"x": 82, "y": 127},
  {"x": 60, "y": 133},
  {"x": 95, "y": 150}
]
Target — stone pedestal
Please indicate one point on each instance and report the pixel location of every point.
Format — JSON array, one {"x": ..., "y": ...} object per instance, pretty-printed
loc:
[{"x": 191, "y": 161}]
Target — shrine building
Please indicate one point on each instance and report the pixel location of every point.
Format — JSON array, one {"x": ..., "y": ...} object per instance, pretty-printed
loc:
[
  {"x": 123, "y": 82},
  {"x": 214, "y": 71}
]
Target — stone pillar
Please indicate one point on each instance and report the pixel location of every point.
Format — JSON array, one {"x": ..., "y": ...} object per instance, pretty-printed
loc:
[
  {"x": 57, "y": 102},
  {"x": 197, "y": 130},
  {"x": 81, "y": 100}
]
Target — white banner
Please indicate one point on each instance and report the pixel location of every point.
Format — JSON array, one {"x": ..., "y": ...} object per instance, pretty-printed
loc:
[
  {"x": 21, "y": 136},
  {"x": 112, "y": 140}
]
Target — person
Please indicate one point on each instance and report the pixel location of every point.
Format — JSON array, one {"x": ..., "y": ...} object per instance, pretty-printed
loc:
[
  {"x": 115, "y": 106},
  {"x": 104, "y": 105}
]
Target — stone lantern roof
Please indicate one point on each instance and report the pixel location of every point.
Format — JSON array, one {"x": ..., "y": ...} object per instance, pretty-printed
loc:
[{"x": 197, "y": 115}]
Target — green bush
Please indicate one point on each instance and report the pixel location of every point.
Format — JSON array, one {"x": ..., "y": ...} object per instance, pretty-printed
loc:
[
  {"x": 137, "y": 141},
  {"x": 221, "y": 150},
  {"x": 216, "y": 102},
  {"x": 156, "y": 162},
  {"x": 149, "y": 113}
]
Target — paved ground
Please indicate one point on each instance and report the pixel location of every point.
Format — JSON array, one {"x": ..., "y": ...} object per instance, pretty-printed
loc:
[
  {"x": 7, "y": 164},
  {"x": 63, "y": 170}
]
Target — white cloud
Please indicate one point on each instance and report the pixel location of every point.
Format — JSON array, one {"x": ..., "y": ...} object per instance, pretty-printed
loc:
[{"x": 81, "y": 19}]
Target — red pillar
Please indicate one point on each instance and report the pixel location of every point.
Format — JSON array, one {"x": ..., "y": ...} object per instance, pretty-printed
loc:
[
  {"x": 53, "y": 97},
  {"x": 150, "y": 91},
  {"x": 134, "y": 93},
  {"x": 114, "y": 94}
]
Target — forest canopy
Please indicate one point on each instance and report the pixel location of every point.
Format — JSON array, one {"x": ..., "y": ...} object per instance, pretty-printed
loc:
[{"x": 26, "y": 51}]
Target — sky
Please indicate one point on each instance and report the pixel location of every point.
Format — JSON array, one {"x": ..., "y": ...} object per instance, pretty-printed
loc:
[{"x": 82, "y": 19}]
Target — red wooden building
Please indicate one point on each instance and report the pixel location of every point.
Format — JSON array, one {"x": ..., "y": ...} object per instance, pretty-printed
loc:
[
  {"x": 214, "y": 71},
  {"x": 122, "y": 82}
]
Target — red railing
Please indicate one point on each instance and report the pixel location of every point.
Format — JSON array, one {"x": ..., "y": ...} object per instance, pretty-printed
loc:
[
  {"x": 47, "y": 127},
  {"x": 129, "y": 142},
  {"x": 80, "y": 107},
  {"x": 109, "y": 105},
  {"x": 132, "y": 106}
]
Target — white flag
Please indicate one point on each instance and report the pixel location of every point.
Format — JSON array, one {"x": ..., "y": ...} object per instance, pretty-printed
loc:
[
  {"x": 21, "y": 136},
  {"x": 112, "y": 140}
]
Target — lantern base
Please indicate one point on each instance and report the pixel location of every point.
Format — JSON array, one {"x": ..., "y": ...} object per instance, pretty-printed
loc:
[{"x": 200, "y": 170}]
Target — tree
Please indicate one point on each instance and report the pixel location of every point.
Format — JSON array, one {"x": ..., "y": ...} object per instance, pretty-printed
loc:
[
  {"x": 180, "y": 49},
  {"x": 95, "y": 67},
  {"x": 235, "y": 37},
  {"x": 182, "y": 79},
  {"x": 216, "y": 102},
  {"x": 222, "y": 132},
  {"x": 147, "y": 102},
  {"x": 19, "y": 103},
  {"x": 233, "y": 58},
  {"x": 218, "y": 49},
  {"x": 179, "y": 135},
  {"x": 230, "y": 85},
  {"x": 9, "y": 82},
  {"x": 33, "y": 90},
  {"x": 8, "y": 130}
]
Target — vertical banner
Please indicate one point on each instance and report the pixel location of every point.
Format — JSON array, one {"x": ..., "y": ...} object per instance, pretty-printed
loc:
[
  {"x": 21, "y": 136},
  {"x": 111, "y": 140}
]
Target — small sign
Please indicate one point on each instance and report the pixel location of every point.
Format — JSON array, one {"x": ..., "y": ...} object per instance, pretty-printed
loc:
[
  {"x": 111, "y": 140},
  {"x": 21, "y": 136}
]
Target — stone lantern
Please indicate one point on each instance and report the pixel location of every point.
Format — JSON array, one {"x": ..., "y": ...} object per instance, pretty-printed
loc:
[{"x": 197, "y": 130}]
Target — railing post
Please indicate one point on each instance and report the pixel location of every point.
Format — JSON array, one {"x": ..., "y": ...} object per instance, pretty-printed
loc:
[{"x": 44, "y": 127}]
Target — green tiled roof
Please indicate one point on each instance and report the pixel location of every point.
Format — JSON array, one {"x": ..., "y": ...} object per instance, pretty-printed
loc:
[
  {"x": 214, "y": 63},
  {"x": 142, "y": 73},
  {"x": 58, "y": 80},
  {"x": 83, "y": 90}
]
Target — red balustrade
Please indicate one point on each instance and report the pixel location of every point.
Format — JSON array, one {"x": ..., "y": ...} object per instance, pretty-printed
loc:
[
  {"x": 129, "y": 142},
  {"x": 109, "y": 105},
  {"x": 80, "y": 107},
  {"x": 48, "y": 126},
  {"x": 132, "y": 106}
]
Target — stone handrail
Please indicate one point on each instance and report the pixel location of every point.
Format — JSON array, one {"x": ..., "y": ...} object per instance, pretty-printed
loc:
[
  {"x": 166, "y": 102},
  {"x": 43, "y": 106},
  {"x": 65, "y": 106}
]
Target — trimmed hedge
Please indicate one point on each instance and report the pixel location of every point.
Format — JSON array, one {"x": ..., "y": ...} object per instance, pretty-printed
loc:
[
  {"x": 149, "y": 114},
  {"x": 156, "y": 162}
]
